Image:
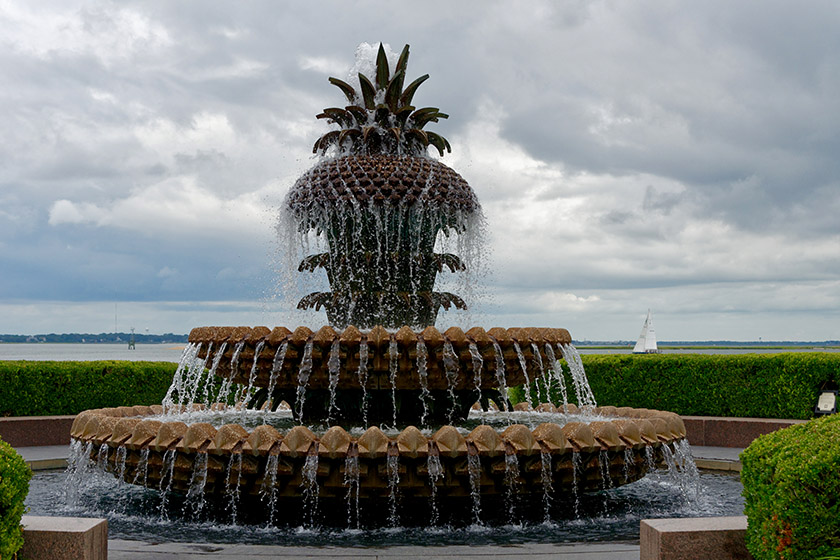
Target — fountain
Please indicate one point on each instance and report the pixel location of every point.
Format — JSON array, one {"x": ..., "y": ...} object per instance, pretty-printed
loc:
[{"x": 379, "y": 409}]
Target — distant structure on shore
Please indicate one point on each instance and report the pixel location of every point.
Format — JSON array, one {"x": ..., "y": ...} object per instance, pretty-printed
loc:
[{"x": 647, "y": 339}]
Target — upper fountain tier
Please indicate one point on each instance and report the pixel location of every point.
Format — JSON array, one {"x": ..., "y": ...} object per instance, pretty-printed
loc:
[
  {"x": 379, "y": 203},
  {"x": 421, "y": 375}
]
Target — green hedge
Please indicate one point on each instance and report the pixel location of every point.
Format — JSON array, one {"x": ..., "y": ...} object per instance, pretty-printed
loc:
[
  {"x": 14, "y": 486},
  {"x": 745, "y": 385},
  {"x": 32, "y": 388},
  {"x": 792, "y": 491}
]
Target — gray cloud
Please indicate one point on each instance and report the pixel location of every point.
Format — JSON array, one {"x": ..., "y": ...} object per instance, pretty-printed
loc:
[{"x": 627, "y": 155}]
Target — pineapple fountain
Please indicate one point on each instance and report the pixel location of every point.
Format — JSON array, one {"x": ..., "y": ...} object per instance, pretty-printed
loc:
[{"x": 380, "y": 409}]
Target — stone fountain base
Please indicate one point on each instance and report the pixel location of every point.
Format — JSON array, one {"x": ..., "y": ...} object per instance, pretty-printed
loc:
[{"x": 138, "y": 445}]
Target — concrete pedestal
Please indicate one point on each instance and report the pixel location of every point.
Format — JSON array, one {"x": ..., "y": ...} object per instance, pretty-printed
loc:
[
  {"x": 721, "y": 538},
  {"x": 64, "y": 538}
]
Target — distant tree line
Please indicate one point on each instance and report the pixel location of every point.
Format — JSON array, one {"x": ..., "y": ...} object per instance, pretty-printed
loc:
[{"x": 101, "y": 338}]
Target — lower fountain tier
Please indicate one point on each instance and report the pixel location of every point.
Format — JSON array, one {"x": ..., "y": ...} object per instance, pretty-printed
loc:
[
  {"x": 378, "y": 359},
  {"x": 576, "y": 456}
]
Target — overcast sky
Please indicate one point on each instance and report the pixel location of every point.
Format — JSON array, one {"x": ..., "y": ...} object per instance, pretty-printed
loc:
[{"x": 678, "y": 156}]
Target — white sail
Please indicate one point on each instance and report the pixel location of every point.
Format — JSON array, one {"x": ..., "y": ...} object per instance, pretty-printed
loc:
[{"x": 647, "y": 339}]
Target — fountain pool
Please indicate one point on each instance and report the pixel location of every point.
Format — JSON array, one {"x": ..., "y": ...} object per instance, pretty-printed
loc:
[{"x": 134, "y": 513}]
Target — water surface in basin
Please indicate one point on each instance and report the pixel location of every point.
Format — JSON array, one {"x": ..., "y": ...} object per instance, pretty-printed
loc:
[{"x": 138, "y": 514}]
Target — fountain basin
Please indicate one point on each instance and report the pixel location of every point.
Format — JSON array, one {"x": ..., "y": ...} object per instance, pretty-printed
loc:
[
  {"x": 618, "y": 447},
  {"x": 246, "y": 346}
]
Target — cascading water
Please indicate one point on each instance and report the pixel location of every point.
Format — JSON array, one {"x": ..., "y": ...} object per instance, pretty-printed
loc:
[
  {"x": 196, "y": 498},
  {"x": 351, "y": 481},
  {"x": 309, "y": 485},
  {"x": 511, "y": 482},
  {"x": 500, "y": 375},
  {"x": 166, "y": 479},
  {"x": 474, "y": 467},
  {"x": 233, "y": 480},
  {"x": 268, "y": 489},
  {"x": 393, "y": 467},
  {"x": 546, "y": 478},
  {"x": 435, "y": 470},
  {"x": 423, "y": 376},
  {"x": 334, "y": 366}
]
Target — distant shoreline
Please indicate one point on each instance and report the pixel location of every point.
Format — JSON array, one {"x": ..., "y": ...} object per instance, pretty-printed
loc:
[{"x": 90, "y": 338}]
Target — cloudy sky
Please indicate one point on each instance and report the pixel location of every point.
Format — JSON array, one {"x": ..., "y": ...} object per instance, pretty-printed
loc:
[{"x": 678, "y": 156}]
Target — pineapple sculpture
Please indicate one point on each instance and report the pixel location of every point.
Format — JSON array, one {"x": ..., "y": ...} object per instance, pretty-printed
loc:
[{"x": 380, "y": 202}]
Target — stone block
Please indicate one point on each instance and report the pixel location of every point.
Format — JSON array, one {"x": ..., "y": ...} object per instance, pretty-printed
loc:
[
  {"x": 711, "y": 431},
  {"x": 36, "y": 431},
  {"x": 64, "y": 538},
  {"x": 721, "y": 538}
]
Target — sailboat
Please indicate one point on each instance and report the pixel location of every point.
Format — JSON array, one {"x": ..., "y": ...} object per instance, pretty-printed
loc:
[{"x": 647, "y": 339}]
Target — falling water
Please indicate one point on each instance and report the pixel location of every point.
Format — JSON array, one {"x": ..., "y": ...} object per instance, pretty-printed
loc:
[
  {"x": 363, "y": 376},
  {"x": 474, "y": 467},
  {"x": 629, "y": 464},
  {"x": 435, "y": 469},
  {"x": 393, "y": 466},
  {"x": 576, "y": 465},
  {"x": 119, "y": 463},
  {"x": 450, "y": 366},
  {"x": 309, "y": 484},
  {"x": 216, "y": 360},
  {"x": 606, "y": 479},
  {"x": 276, "y": 369},
  {"x": 102, "y": 457},
  {"x": 650, "y": 460},
  {"x": 303, "y": 377},
  {"x": 119, "y": 473},
  {"x": 78, "y": 465},
  {"x": 195, "y": 378},
  {"x": 547, "y": 483},
  {"x": 500, "y": 375},
  {"x": 557, "y": 370},
  {"x": 141, "y": 475},
  {"x": 232, "y": 486},
  {"x": 166, "y": 476},
  {"x": 393, "y": 368},
  {"x": 177, "y": 385},
  {"x": 227, "y": 384},
  {"x": 535, "y": 350},
  {"x": 352, "y": 482},
  {"x": 511, "y": 482},
  {"x": 582, "y": 389},
  {"x": 268, "y": 488},
  {"x": 524, "y": 366},
  {"x": 682, "y": 470},
  {"x": 195, "y": 499},
  {"x": 423, "y": 374},
  {"x": 477, "y": 364},
  {"x": 334, "y": 367},
  {"x": 252, "y": 375}
]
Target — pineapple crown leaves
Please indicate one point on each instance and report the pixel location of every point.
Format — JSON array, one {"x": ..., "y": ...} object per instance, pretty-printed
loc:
[{"x": 380, "y": 118}]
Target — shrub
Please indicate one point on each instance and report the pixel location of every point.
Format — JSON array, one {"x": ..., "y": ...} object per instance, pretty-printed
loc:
[
  {"x": 32, "y": 388},
  {"x": 792, "y": 491},
  {"x": 14, "y": 486},
  {"x": 744, "y": 385}
]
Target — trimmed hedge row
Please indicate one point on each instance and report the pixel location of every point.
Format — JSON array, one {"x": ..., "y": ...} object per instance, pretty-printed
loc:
[
  {"x": 743, "y": 385},
  {"x": 792, "y": 491},
  {"x": 14, "y": 486},
  {"x": 32, "y": 388}
]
